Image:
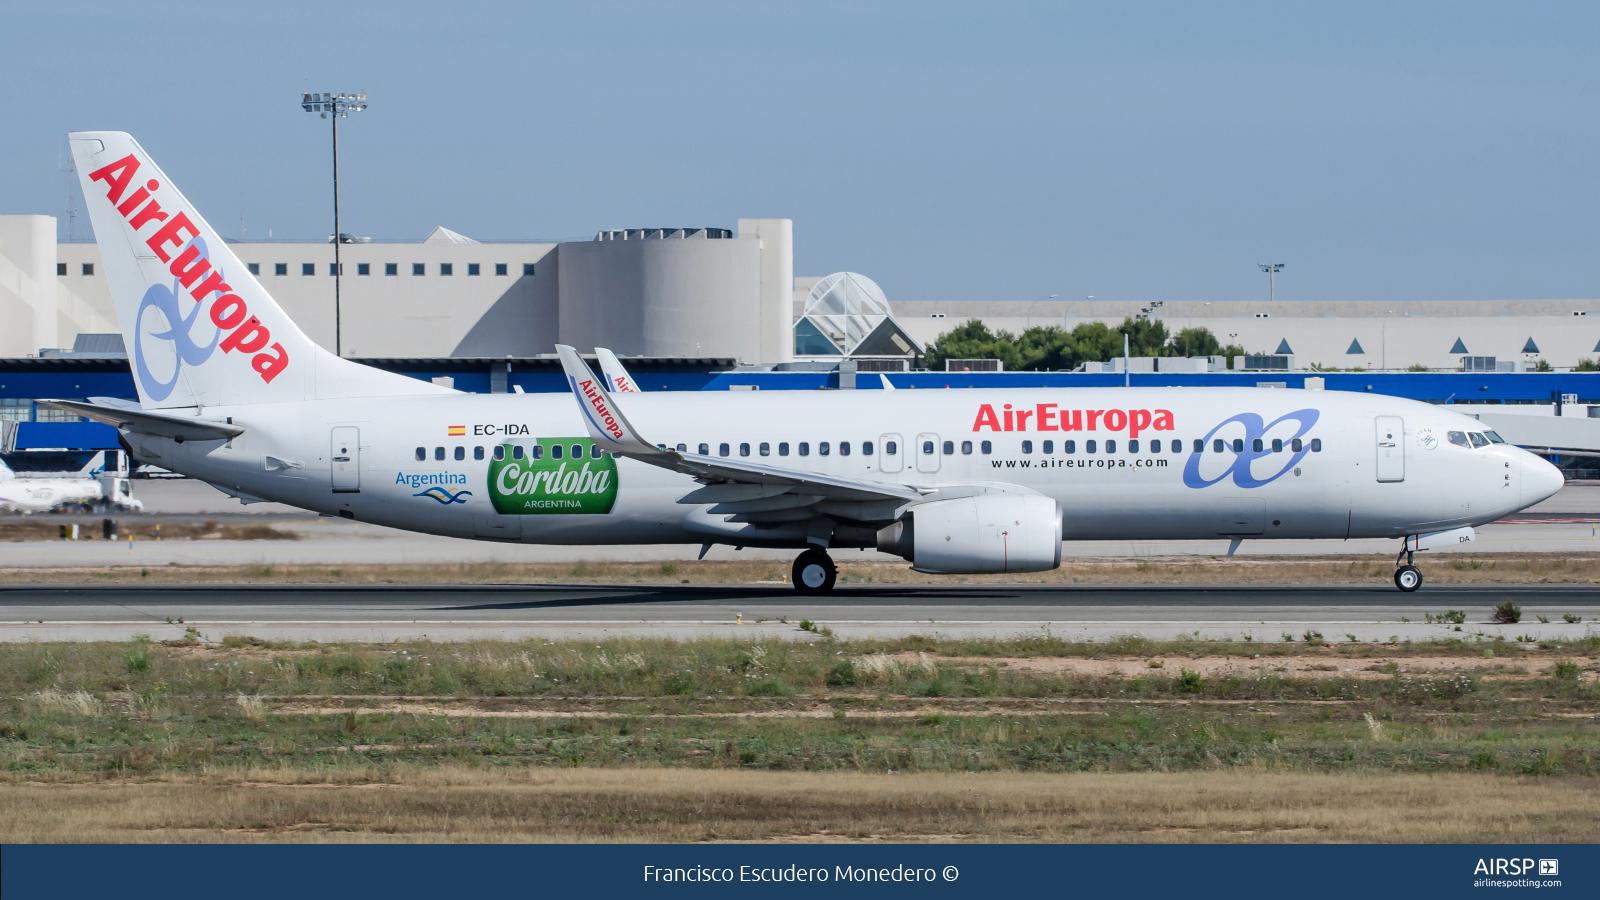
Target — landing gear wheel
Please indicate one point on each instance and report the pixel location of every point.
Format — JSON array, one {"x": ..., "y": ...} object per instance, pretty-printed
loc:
[
  {"x": 814, "y": 572},
  {"x": 1408, "y": 578}
]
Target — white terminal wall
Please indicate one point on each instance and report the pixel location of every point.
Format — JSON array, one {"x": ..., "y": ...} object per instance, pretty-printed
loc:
[{"x": 28, "y": 317}]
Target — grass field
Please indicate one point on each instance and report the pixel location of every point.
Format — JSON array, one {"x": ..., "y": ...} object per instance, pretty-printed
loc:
[
  {"x": 1533, "y": 568},
  {"x": 915, "y": 739}
]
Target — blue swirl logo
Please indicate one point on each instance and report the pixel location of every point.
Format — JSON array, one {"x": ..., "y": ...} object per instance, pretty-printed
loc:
[
  {"x": 1242, "y": 468},
  {"x": 445, "y": 496},
  {"x": 166, "y": 301}
]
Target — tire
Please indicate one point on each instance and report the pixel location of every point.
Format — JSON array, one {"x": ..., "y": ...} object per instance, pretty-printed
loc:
[
  {"x": 814, "y": 572},
  {"x": 1408, "y": 578}
]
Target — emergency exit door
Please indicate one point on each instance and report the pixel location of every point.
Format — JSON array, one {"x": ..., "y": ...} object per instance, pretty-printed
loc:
[
  {"x": 346, "y": 460},
  {"x": 1391, "y": 448}
]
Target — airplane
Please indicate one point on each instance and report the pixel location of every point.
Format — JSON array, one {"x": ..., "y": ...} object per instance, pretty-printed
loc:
[
  {"x": 90, "y": 486},
  {"x": 989, "y": 480}
]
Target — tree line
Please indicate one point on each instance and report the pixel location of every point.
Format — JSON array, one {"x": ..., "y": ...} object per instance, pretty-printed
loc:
[{"x": 1051, "y": 347}]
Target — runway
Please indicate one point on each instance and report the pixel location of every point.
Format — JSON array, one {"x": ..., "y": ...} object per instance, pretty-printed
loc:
[{"x": 383, "y": 613}]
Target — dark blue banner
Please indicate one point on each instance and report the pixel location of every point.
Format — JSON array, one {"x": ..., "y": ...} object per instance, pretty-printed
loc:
[{"x": 272, "y": 872}]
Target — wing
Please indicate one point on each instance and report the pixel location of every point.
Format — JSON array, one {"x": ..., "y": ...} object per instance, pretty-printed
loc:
[
  {"x": 751, "y": 492},
  {"x": 158, "y": 424}
]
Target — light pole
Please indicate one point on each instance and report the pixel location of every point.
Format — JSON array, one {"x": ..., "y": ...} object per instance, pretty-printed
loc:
[
  {"x": 1029, "y": 319},
  {"x": 1272, "y": 270},
  {"x": 335, "y": 107}
]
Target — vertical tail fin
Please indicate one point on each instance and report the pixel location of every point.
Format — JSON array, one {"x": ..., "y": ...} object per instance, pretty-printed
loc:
[{"x": 200, "y": 329}]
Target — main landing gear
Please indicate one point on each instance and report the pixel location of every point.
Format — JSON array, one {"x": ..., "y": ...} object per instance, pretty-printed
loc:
[
  {"x": 814, "y": 572},
  {"x": 1407, "y": 577}
]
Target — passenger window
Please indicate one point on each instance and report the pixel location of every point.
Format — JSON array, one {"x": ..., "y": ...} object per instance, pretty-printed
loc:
[
  {"x": 890, "y": 448},
  {"x": 499, "y": 451},
  {"x": 1177, "y": 446},
  {"x": 1217, "y": 446},
  {"x": 950, "y": 448},
  {"x": 1255, "y": 445},
  {"x": 1478, "y": 440},
  {"x": 1277, "y": 445},
  {"x": 577, "y": 451},
  {"x": 683, "y": 448},
  {"x": 1133, "y": 446},
  {"x": 595, "y": 452},
  {"x": 1111, "y": 446},
  {"x": 1088, "y": 446},
  {"x": 422, "y": 453},
  {"x": 986, "y": 447},
  {"x": 805, "y": 448},
  {"x": 722, "y": 449},
  {"x": 438, "y": 453},
  {"x": 1238, "y": 445},
  {"x": 1027, "y": 446},
  {"x": 844, "y": 448},
  {"x": 783, "y": 449},
  {"x": 744, "y": 449},
  {"x": 516, "y": 452},
  {"x": 927, "y": 447},
  {"x": 705, "y": 449},
  {"x": 1069, "y": 446},
  {"x": 537, "y": 451},
  {"x": 477, "y": 453},
  {"x": 866, "y": 448},
  {"x": 1296, "y": 445},
  {"x": 1155, "y": 446},
  {"x": 966, "y": 448},
  {"x": 822, "y": 448},
  {"x": 1049, "y": 447},
  {"x": 1199, "y": 446},
  {"x": 765, "y": 448},
  {"x": 1459, "y": 438},
  {"x": 1316, "y": 445},
  {"x": 555, "y": 451},
  {"x": 461, "y": 453}
]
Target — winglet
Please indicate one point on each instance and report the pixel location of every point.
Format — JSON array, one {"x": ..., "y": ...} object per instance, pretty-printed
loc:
[
  {"x": 618, "y": 381},
  {"x": 607, "y": 425}
]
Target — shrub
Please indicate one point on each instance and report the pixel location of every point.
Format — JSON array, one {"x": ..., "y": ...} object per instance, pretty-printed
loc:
[
  {"x": 1507, "y": 613},
  {"x": 1190, "y": 682},
  {"x": 843, "y": 674},
  {"x": 1565, "y": 670},
  {"x": 767, "y": 687},
  {"x": 1571, "y": 619},
  {"x": 137, "y": 660},
  {"x": 1448, "y": 617}
]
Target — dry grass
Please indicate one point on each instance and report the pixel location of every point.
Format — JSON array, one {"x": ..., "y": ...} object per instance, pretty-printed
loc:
[
  {"x": 477, "y": 805},
  {"x": 89, "y": 530},
  {"x": 1533, "y": 568}
]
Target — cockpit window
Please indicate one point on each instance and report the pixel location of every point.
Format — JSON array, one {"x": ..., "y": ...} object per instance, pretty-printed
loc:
[
  {"x": 1478, "y": 440},
  {"x": 1494, "y": 438},
  {"x": 1459, "y": 438}
]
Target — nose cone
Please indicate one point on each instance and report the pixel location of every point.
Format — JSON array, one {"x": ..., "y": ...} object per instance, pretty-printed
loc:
[{"x": 1540, "y": 480}]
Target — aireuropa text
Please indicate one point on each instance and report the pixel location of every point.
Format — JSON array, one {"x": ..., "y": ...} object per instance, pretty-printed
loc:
[{"x": 792, "y": 873}]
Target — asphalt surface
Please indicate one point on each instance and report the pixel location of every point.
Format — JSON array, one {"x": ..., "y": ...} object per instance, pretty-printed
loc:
[{"x": 458, "y": 612}]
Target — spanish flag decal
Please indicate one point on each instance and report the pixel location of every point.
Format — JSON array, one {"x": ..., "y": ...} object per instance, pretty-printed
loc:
[{"x": 458, "y": 431}]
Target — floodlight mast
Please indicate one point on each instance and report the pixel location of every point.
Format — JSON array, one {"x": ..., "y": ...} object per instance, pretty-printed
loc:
[
  {"x": 1272, "y": 270},
  {"x": 335, "y": 107}
]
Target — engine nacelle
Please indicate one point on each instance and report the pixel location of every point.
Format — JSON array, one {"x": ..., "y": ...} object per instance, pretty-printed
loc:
[{"x": 978, "y": 535}]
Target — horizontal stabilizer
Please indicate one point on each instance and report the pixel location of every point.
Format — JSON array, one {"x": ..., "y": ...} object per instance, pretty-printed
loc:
[{"x": 167, "y": 425}]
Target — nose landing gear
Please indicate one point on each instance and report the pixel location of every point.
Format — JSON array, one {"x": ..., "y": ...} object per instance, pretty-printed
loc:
[
  {"x": 1407, "y": 577},
  {"x": 814, "y": 572}
]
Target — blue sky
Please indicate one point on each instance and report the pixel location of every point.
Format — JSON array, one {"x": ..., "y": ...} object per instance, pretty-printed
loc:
[{"x": 1139, "y": 151}]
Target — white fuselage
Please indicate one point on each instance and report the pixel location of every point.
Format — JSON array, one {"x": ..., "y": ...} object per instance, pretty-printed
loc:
[{"x": 1345, "y": 481}]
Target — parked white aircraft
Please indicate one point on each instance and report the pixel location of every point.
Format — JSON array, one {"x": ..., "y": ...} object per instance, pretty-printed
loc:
[
  {"x": 969, "y": 481},
  {"x": 91, "y": 486}
]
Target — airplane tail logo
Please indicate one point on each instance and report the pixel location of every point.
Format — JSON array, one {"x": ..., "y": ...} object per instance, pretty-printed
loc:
[{"x": 201, "y": 328}]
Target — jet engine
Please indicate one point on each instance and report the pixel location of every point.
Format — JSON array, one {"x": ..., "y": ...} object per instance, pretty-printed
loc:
[{"x": 978, "y": 535}]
